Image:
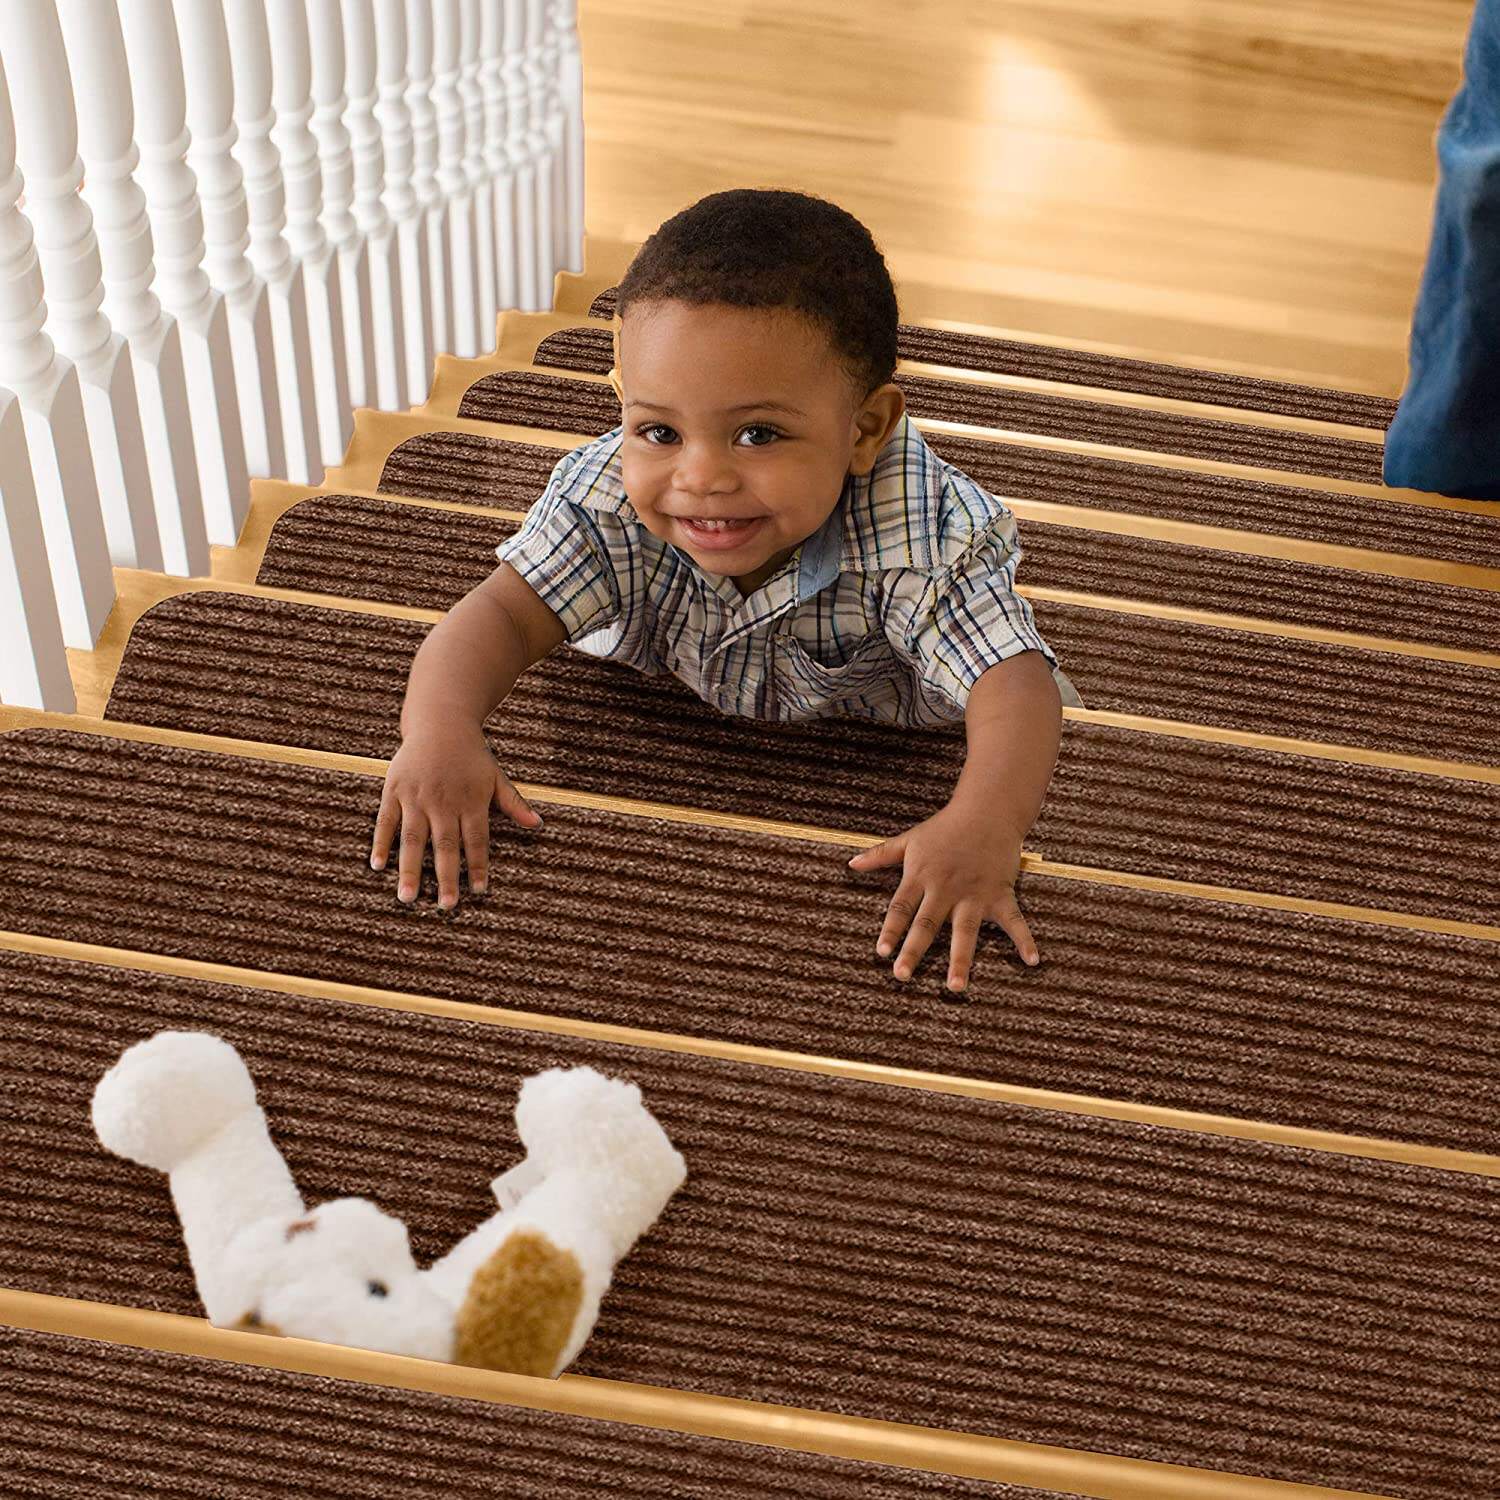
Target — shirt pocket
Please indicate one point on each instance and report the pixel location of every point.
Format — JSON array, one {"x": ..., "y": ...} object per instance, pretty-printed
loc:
[{"x": 806, "y": 686}]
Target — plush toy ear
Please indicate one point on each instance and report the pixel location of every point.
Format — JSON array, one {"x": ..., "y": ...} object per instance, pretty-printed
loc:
[{"x": 520, "y": 1307}]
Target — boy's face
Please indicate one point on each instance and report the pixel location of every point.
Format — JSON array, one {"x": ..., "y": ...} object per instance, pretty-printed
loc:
[{"x": 704, "y": 441}]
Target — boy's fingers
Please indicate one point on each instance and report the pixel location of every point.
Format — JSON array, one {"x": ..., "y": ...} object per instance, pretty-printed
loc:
[
  {"x": 476, "y": 827},
  {"x": 961, "y": 952},
  {"x": 1008, "y": 915},
  {"x": 513, "y": 804},
  {"x": 877, "y": 856},
  {"x": 902, "y": 908},
  {"x": 445, "y": 860},
  {"x": 413, "y": 844},
  {"x": 385, "y": 827},
  {"x": 924, "y": 927}
]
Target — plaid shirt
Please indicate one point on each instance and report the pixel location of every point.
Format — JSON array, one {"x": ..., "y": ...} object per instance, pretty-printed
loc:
[{"x": 890, "y": 611}]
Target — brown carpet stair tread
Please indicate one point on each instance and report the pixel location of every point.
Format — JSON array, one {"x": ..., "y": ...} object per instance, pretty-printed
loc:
[
  {"x": 337, "y": 677},
  {"x": 662, "y": 925},
  {"x": 1121, "y": 799},
  {"x": 539, "y": 400},
  {"x": 569, "y": 348},
  {"x": 446, "y": 465},
  {"x": 844, "y": 1245},
  {"x": 365, "y": 548},
  {"x": 90, "y": 1420}
]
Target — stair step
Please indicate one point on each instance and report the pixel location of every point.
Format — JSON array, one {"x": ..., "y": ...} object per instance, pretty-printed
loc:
[
  {"x": 429, "y": 559},
  {"x": 970, "y": 351},
  {"x": 1120, "y": 661},
  {"x": 889, "y": 1253},
  {"x": 90, "y": 1420},
  {"x": 673, "y": 926}
]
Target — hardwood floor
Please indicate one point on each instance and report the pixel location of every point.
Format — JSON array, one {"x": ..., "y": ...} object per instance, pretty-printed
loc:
[{"x": 1243, "y": 183}]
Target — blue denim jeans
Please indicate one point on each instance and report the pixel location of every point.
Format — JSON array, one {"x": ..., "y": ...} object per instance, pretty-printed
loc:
[{"x": 1445, "y": 437}]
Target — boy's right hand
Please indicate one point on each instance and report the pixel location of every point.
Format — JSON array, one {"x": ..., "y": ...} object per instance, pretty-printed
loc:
[{"x": 442, "y": 787}]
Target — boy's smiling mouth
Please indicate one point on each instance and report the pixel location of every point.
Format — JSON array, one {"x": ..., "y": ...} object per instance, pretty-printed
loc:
[{"x": 720, "y": 533}]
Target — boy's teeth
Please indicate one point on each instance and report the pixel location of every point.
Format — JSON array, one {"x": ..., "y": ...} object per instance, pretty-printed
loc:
[{"x": 719, "y": 525}]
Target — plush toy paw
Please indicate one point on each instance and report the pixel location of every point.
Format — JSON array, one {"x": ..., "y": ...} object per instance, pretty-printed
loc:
[{"x": 165, "y": 1097}]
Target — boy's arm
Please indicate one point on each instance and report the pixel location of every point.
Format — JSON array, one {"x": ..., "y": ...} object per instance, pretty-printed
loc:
[{"x": 964, "y": 859}]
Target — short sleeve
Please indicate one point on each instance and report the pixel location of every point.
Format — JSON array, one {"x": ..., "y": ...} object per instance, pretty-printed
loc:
[
  {"x": 964, "y": 618},
  {"x": 561, "y": 551}
]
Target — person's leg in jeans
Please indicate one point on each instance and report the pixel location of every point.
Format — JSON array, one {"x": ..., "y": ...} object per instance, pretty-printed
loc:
[{"x": 1445, "y": 437}]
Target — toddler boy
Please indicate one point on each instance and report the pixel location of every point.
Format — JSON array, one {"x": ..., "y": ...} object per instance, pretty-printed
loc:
[{"x": 831, "y": 564}]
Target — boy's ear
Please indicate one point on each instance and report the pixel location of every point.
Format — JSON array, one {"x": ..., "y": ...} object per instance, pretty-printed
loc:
[
  {"x": 614, "y": 380},
  {"x": 614, "y": 374}
]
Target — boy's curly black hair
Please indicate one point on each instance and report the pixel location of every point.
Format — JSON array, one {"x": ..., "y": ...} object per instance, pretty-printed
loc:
[{"x": 768, "y": 247}]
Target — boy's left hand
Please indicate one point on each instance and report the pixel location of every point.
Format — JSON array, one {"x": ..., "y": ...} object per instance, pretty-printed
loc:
[{"x": 953, "y": 863}]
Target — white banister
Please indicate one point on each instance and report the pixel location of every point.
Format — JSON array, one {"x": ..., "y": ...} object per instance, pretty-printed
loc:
[
  {"x": 250, "y": 64},
  {"x": 387, "y": 331},
  {"x": 513, "y": 76},
  {"x": 34, "y": 665},
  {"x": 570, "y": 95},
  {"x": 46, "y": 385},
  {"x": 401, "y": 200},
  {"x": 500, "y": 168},
  {"x": 419, "y": 84},
  {"x": 47, "y": 153},
  {"x": 106, "y": 131},
  {"x": 209, "y": 101},
  {"x": 452, "y": 180},
  {"x": 291, "y": 91},
  {"x": 202, "y": 326},
  {"x": 480, "y": 189},
  {"x": 325, "y": 31},
  {"x": 539, "y": 149}
]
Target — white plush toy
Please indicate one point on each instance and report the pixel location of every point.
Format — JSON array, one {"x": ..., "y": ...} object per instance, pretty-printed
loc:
[{"x": 519, "y": 1293}]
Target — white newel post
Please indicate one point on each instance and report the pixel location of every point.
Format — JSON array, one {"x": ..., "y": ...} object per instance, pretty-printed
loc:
[
  {"x": 62, "y": 476},
  {"x": 539, "y": 150},
  {"x": 419, "y": 82},
  {"x": 250, "y": 64},
  {"x": 171, "y": 187},
  {"x": 209, "y": 112},
  {"x": 46, "y": 145},
  {"x": 500, "y": 167},
  {"x": 453, "y": 182},
  {"x": 570, "y": 91},
  {"x": 325, "y": 32},
  {"x": 33, "y": 662},
  {"x": 106, "y": 137},
  {"x": 400, "y": 198},
  {"x": 481, "y": 190},
  {"x": 291, "y": 89},
  {"x": 387, "y": 330},
  {"x": 513, "y": 75},
  {"x": 551, "y": 121}
]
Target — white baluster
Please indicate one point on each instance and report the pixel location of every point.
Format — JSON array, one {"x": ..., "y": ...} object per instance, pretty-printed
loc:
[
  {"x": 513, "y": 77},
  {"x": 106, "y": 126},
  {"x": 500, "y": 166},
  {"x": 570, "y": 96},
  {"x": 33, "y": 663},
  {"x": 424, "y": 181},
  {"x": 47, "y": 150},
  {"x": 539, "y": 150},
  {"x": 387, "y": 330},
  {"x": 481, "y": 190},
  {"x": 250, "y": 63},
  {"x": 291, "y": 85},
  {"x": 171, "y": 189},
  {"x": 221, "y": 195},
  {"x": 453, "y": 181},
  {"x": 401, "y": 201},
  {"x": 325, "y": 31},
  {"x": 63, "y": 484}
]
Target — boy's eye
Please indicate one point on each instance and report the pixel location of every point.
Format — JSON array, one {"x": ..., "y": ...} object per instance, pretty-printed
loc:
[{"x": 647, "y": 428}]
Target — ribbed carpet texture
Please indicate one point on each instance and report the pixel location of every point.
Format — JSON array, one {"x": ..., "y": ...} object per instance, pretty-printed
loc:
[
  {"x": 882, "y": 1252},
  {"x": 86, "y": 1420},
  {"x": 886, "y": 1246},
  {"x": 712, "y": 932}
]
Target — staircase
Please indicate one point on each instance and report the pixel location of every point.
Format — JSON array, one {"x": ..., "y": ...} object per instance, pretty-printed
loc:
[{"x": 1206, "y": 1206}]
